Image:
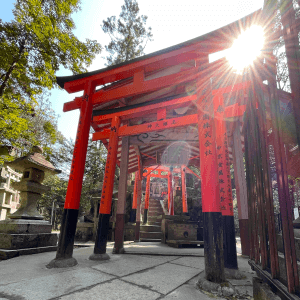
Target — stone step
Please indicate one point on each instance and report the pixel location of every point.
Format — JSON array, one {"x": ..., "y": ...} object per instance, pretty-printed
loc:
[
  {"x": 150, "y": 228},
  {"x": 150, "y": 235},
  {"x": 156, "y": 203},
  {"x": 154, "y": 223},
  {"x": 156, "y": 212},
  {"x": 150, "y": 240},
  {"x": 154, "y": 207},
  {"x": 153, "y": 218}
]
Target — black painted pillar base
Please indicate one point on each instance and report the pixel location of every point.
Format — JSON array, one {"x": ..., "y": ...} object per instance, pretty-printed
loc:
[
  {"x": 230, "y": 256},
  {"x": 66, "y": 241},
  {"x": 101, "y": 239},
  {"x": 213, "y": 246},
  {"x": 133, "y": 215},
  {"x": 145, "y": 215},
  {"x": 119, "y": 234},
  {"x": 137, "y": 231}
]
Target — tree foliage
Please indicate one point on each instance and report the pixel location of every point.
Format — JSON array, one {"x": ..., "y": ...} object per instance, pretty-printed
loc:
[
  {"x": 33, "y": 46},
  {"x": 37, "y": 42},
  {"x": 41, "y": 129},
  {"x": 128, "y": 34},
  {"x": 94, "y": 172},
  {"x": 57, "y": 195}
]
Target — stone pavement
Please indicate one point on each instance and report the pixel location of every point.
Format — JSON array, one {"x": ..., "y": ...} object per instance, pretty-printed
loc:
[{"x": 155, "y": 271}]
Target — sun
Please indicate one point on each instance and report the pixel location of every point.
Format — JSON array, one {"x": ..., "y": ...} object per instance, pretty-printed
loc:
[{"x": 246, "y": 48}]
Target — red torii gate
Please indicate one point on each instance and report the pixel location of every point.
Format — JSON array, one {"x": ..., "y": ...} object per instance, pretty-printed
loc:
[
  {"x": 154, "y": 76},
  {"x": 183, "y": 170}
]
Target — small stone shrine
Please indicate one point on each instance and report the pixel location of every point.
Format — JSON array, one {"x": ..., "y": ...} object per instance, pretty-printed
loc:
[{"x": 25, "y": 232}]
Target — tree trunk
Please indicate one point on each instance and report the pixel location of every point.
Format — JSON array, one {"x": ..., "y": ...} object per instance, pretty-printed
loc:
[{"x": 11, "y": 68}]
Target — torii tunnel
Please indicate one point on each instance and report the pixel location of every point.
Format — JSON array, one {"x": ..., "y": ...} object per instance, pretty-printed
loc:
[{"x": 140, "y": 107}]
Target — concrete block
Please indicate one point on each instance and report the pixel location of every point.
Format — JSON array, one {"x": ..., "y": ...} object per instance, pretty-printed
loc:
[
  {"x": 261, "y": 291},
  {"x": 55, "y": 285},
  {"x": 150, "y": 235},
  {"x": 177, "y": 231},
  {"x": 157, "y": 248},
  {"x": 186, "y": 292},
  {"x": 157, "y": 280},
  {"x": 122, "y": 265},
  {"x": 193, "y": 262},
  {"x": 84, "y": 232},
  {"x": 282, "y": 269},
  {"x": 25, "y": 226},
  {"x": 297, "y": 244},
  {"x": 129, "y": 232},
  {"x": 21, "y": 241},
  {"x": 116, "y": 289},
  {"x": 150, "y": 228},
  {"x": 7, "y": 254}
]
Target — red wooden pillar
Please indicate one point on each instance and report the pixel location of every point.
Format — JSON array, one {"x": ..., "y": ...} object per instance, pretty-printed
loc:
[
  {"x": 183, "y": 189},
  {"x": 241, "y": 190},
  {"x": 139, "y": 198},
  {"x": 69, "y": 220},
  {"x": 107, "y": 191},
  {"x": 283, "y": 189},
  {"x": 230, "y": 256},
  {"x": 147, "y": 196},
  {"x": 122, "y": 195},
  {"x": 170, "y": 193},
  {"x": 134, "y": 200},
  {"x": 212, "y": 216}
]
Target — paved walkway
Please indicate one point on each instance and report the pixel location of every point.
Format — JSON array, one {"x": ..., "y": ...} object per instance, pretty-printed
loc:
[{"x": 155, "y": 271}]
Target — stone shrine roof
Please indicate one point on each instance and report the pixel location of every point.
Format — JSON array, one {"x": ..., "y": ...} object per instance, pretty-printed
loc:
[{"x": 35, "y": 159}]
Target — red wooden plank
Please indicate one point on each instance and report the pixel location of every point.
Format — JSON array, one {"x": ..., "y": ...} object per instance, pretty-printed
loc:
[
  {"x": 148, "y": 155},
  {"x": 158, "y": 62},
  {"x": 100, "y": 135},
  {"x": 132, "y": 113},
  {"x": 161, "y": 114},
  {"x": 141, "y": 87},
  {"x": 158, "y": 176},
  {"x": 234, "y": 110},
  {"x": 158, "y": 125},
  {"x": 71, "y": 105},
  {"x": 148, "y": 127}
]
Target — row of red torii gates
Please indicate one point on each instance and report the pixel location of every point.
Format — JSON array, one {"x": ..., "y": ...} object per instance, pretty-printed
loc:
[
  {"x": 150, "y": 102},
  {"x": 149, "y": 174}
]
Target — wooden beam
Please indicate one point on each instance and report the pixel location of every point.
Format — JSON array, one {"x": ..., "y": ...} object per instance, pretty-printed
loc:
[
  {"x": 146, "y": 109},
  {"x": 239, "y": 174},
  {"x": 158, "y": 176},
  {"x": 141, "y": 87},
  {"x": 162, "y": 113},
  {"x": 230, "y": 88},
  {"x": 137, "y": 151},
  {"x": 151, "y": 64},
  {"x": 149, "y": 127}
]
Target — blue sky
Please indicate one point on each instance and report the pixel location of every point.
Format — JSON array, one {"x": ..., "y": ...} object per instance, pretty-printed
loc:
[{"x": 172, "y": 22}]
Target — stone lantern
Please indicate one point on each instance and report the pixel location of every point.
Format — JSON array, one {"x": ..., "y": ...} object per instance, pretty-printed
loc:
[{"x": 25, "y": 232}]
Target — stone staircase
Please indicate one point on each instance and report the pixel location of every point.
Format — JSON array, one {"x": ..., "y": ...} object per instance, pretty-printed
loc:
[{"x": 152, "y": 231}]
